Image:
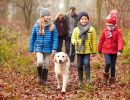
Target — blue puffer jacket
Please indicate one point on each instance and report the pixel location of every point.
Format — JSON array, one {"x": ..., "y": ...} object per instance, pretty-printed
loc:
[{"x": 43, "y": 43}]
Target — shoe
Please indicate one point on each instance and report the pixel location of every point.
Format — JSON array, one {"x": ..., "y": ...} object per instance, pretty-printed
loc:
[
  {"x": 39, "y": 73},
  {"x": 80, "y": 74},
  {"x": 112, "y": 80},
  {"x": 106, "y": 76},
  {"x": 80, "y": 84},
  {"x": 44, "y": 76}
]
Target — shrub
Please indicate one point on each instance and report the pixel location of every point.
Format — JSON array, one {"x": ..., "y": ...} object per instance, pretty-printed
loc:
[
  {"x": 126, "y": 51},
  {"x": 13, "y": 49}
]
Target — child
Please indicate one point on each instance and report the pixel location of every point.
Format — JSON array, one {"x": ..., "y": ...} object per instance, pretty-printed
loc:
[
  {"x": 61, "y": 25},
  {"x": 43, "y": 41},
  {"x": 111, "y": 44},
  {"x": 84, "y": 38}
]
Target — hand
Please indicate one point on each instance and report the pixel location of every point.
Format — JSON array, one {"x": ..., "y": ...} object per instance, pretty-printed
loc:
[
  {"x": 119, "y": 54},
  {"x": 94, "y": 54},
  {"x": 54, "y": 52},
  {"x": 75, "y": 43}
]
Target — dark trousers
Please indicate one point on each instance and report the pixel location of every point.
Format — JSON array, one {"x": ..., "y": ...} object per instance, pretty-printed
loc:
[
  {"x": 70, "y": 49},
  {"x": 110, "y": 63},
  {"x": 60, "y": 43}
]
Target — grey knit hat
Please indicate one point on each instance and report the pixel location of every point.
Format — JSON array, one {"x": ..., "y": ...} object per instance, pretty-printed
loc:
[{"x": 43, "y": 11}]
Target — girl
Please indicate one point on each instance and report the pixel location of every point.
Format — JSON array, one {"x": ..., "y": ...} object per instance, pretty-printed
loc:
[
  {"x": 84, "y": 38},
  {"x": 43, "y": 41},
  {"x": 61, "y": 25},
  {"x": 111, "y": 44}
]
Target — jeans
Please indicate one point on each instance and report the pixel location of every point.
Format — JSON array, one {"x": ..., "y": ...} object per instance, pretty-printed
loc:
[
  {"x": 70, "y": 49},
  {"x": 110, "y": 63},
  {"x": 84, "y": 60}
]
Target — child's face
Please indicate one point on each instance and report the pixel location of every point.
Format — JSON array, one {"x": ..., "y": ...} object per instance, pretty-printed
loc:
[
  {"x": 110, "y": 26},
  {"x": 84, "y": 20},
  {"x": 46, "y": 18}
]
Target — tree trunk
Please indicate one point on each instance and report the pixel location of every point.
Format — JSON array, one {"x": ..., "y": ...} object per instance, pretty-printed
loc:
[
  {"x": 66, "y": 2},
  {"x": 3, "y": 9},
  {"x": 99, "y": 6}
]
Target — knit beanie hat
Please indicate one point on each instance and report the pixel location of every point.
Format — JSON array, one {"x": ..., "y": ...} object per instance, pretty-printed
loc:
[
  {"x": 112, "y": 17},
  {"x": 83, "y": 13},
  {"x": 43, "y": 11}
]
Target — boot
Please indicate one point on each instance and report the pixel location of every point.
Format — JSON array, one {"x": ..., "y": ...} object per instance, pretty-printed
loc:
[
  {"x": 44, "y": 76},
  {"x": 80, "y": 74},
  {"x": 39, "y": 73},
  {"x": 87, "y": 74},
  {"x": 112, "y": 80},
  {"x": 106, "y": 76}
]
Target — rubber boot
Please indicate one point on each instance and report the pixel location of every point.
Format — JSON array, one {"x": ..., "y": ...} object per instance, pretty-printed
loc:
[
  {"x": 44, "y": 76},
  {"x": 112, "y": 80},
  {"x": 80, "y": 74},
  {"x": 106, "y": 76},
  {"x": 87, "y": 74},
  {"x": 39, "y": 73}
]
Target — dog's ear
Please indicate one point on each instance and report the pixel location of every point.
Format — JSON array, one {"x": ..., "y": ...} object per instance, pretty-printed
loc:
[{"x": 67, "y": 58}]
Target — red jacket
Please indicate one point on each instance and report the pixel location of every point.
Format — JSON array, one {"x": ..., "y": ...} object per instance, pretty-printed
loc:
[{"x": 113, "y": 44}]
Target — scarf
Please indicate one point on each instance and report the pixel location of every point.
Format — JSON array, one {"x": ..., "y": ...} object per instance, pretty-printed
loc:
[
  {"x": 41, "y": 30},
  {"x": 61, "y": 27},
  {"x": 110, "y": 30},
  {"x": 83, "y": 35}
]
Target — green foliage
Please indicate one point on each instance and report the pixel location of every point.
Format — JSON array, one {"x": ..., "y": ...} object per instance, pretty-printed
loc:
[
  {"x": 129, "y": 78},
  {"x": 89, "y": 87},
  {"x": 11, "y": 53},
  {"x": 125, "y": 61},
  {"x": 4, "y": 53},
  {"x": 126, "y": 51}
]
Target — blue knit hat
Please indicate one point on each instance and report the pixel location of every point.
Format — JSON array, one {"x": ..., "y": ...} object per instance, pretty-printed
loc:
[{"x": 83, "y": 13}]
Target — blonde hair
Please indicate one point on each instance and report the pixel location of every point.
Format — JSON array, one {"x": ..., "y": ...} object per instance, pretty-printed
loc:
[
  {"x": 42, "y": 27},
  {"x": 58, "y": 14}
]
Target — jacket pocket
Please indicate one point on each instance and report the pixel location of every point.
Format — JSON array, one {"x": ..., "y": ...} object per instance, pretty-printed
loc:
[{"x": 39, "y": 46}]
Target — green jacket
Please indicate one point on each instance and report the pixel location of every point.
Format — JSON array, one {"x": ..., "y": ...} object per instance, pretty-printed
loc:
[{"x": 90, "y": 43}]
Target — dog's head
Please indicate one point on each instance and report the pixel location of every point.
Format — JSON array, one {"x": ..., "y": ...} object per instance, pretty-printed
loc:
[{"x": 61, "y": 57}]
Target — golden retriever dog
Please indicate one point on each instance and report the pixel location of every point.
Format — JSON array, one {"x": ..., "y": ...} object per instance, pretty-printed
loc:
[{"x": 62, "y": 65}]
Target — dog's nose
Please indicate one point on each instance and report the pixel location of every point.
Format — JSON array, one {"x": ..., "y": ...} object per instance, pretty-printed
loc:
[{"x": 60, "y": 61}]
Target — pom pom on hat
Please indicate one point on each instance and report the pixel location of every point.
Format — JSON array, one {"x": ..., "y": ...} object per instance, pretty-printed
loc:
[{"x": 43, "y": 11}]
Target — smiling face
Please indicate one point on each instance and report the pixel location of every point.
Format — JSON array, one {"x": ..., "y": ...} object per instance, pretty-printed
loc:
[
  {"x": 110, "y": 26},
  {"x": 84, "y": 20},
  {"x": 61, "y": 16},
  {"x": 47, "y": 18},
  {"x": 61, "y": 57}
]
